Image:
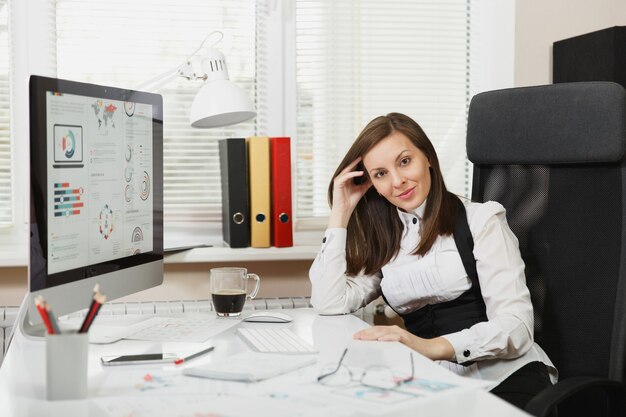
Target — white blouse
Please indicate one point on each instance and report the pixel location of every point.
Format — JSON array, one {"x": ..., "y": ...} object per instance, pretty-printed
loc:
[{"x": 411, "y": 282}]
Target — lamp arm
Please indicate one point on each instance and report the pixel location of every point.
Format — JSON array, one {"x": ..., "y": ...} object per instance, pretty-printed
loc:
[{"x": 185, "y": 70}]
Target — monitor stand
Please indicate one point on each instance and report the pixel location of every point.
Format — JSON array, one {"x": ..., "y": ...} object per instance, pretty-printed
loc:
[
  {"x": 99, "y": 332},
  {"x": 24, "y": 322}
]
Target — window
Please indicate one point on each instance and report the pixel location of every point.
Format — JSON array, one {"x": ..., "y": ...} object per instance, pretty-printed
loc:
[
  {"x": 359, "y": 60},
  {"x": 318, "y": 70},
  {"x": 13, "y": 153},
  {"x": 128, "y": 43},
  {"x": 6, "y": 180}
]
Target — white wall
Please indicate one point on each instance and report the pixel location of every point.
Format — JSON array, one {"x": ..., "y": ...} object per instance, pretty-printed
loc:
[{"x": 540, "y": 23}]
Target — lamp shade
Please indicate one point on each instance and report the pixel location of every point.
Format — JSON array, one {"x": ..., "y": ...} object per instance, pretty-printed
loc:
[{"x": 219, "y": 102}]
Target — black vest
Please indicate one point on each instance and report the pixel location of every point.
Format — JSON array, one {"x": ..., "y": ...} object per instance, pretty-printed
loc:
[{"x": 461, "y": 313}]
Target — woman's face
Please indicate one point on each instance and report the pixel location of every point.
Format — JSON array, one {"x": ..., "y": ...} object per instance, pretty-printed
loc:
[{"x": 399, "y": 171}]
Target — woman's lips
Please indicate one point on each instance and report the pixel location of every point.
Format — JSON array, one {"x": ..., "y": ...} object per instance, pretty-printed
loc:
[{"x": 407, "y": 194}]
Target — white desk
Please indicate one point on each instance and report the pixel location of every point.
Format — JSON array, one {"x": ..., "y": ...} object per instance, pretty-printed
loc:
[{"x": 128, "y": 391}]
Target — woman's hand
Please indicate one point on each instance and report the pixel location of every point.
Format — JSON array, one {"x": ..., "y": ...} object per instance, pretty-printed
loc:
[
  {"x": 435, "y": 349},
  {"x": 346, "y": 195}
]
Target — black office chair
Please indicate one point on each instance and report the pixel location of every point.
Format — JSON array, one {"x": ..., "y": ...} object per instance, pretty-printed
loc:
[{"x": 553, "y": 156}]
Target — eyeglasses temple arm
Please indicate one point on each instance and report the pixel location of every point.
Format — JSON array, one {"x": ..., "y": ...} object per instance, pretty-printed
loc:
[{"x": 343, "y": 355}]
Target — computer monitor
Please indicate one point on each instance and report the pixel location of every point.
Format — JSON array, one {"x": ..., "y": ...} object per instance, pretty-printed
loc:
[{"x": 96, "y": 157}]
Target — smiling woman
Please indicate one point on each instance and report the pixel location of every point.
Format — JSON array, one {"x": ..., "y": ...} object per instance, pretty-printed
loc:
[
  {"x": 393, "y": 154},
  {"x": 451, "y": 269},
  {"x": 399, "y": 171}
]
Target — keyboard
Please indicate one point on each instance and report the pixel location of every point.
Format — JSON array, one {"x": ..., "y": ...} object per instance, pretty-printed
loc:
[{"x": 275, "y": 340}]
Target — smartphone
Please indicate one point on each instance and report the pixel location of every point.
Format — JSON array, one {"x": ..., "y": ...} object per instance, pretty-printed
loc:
[{"x": 145, "y": 358}]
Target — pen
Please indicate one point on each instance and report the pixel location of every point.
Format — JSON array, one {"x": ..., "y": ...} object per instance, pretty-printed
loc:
[
  {"x": 98, "y": 300},
  {"x": 96, "y": 292},
  {"x": 195, "y": 355}
]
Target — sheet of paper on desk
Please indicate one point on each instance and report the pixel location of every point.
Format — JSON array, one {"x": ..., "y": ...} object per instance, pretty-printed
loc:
[
  {"x": 206, "y": 404},
  {"x": 188, "y": 327},
  {"x": 138, "y": 393},
  {"x": 198, "y": 328},
  {"x": 251, "y": 366}
]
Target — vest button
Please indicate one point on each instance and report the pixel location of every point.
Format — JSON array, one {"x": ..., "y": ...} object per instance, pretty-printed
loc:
[
  {"x": 466, "y": 353},
  {"x": 414, "y": 220},
  {"x": 324, "y": 240}
]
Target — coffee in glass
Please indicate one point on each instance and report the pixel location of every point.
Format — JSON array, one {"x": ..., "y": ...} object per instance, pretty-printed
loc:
[{"x": 229, "y": 290}]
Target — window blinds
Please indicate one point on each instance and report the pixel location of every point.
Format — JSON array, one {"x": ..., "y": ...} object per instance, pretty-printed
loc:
[
  {"x": 354, "y": 60},
  {"x": 6, "y": 197},
  {"x": 360, "y": 59},
  {"x": 124, "y": 44}
]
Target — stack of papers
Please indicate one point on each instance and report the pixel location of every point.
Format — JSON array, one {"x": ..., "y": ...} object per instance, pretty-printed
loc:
[{"x": 251, "y": 366}]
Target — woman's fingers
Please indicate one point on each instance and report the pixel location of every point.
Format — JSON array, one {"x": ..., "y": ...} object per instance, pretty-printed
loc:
[
  {"x": 352, "y": 165},
  {"x": 346, "y": 178},
  {"x": 343, "y": 177},
  {"x": 347, "y": 192},
  {"x": 379, "y": 333},
  {"x": 345, "y": 183}
]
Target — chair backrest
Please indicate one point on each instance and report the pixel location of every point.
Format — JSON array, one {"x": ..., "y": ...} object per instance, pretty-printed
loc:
[{"x": 553, "y": 156}]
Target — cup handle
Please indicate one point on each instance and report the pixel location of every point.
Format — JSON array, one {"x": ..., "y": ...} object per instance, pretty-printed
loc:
[{"x": 256, "y": 285}]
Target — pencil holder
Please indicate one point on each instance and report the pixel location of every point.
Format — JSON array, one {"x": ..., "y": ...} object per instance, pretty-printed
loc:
[{"x": 66, "y": 366}]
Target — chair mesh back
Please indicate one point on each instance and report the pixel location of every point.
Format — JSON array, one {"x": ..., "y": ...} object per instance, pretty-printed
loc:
[{"x": 568, "y": 219}]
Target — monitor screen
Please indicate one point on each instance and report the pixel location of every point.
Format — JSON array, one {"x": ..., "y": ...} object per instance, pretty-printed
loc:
[{"x": 96, "y": 187}]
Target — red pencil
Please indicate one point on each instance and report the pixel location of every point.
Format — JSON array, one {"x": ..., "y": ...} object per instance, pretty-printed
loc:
[{"x": 39, "y": 303}]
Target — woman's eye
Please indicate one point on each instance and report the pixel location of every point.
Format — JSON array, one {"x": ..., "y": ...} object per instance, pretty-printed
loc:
[
  {"x": 405, "y": 161},
  {"x": 379, "y": 174}
]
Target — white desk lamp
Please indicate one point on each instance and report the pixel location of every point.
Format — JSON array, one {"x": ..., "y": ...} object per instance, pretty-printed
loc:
[{"x": 219, "y": 102}]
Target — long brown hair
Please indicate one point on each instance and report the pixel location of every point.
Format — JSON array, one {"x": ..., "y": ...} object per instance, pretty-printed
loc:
[{"x": 375, "y": 229}]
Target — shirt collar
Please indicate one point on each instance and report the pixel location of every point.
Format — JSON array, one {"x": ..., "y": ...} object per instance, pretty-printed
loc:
[{"x": 407, "y": 217}]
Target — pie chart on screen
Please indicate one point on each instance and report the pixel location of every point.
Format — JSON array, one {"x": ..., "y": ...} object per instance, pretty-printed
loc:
[{"x": 68, "y": 144}]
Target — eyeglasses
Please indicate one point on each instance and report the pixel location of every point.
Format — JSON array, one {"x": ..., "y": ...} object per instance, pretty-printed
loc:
[{"x": 379, "y": 377}]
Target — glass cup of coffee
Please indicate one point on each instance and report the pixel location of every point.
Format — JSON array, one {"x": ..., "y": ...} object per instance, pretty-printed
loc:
[{"x": 229, "y": 290}]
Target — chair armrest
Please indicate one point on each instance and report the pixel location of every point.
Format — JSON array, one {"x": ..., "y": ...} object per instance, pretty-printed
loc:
[{"x": 546, "y": 402}]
